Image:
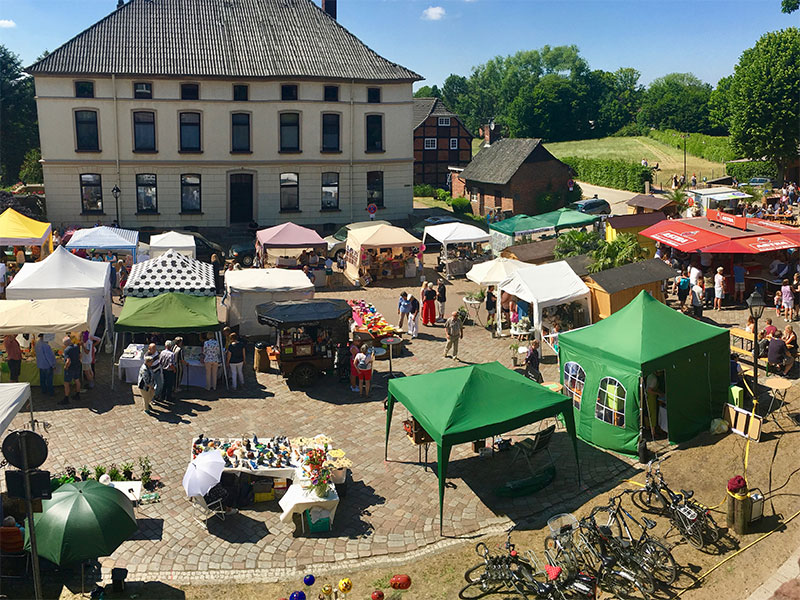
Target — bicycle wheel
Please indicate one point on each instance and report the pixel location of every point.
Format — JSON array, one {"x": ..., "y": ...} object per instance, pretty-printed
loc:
[
  {"x": 692, "y": 532},
  {"x": 641, "y": 573},
  {"x": 650, "y": 501},
  {"x": 711, "y": 531},
  {"x": 476, "y": 590},
  {"x": 473, "y": 574},
  {"x": 605, "y": 518},
  {"x": 659, "y": 561},
  {"x": 624, "y": 585}
]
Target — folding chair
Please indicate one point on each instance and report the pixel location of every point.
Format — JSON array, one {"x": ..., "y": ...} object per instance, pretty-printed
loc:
[
  {"x": 14, "y": 565},
  {"x": 529, "y": 447},
  {"x": 202, "y": 512}
]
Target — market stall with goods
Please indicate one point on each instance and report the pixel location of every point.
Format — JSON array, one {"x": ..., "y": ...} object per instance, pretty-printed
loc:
[
  {"x": 246, "y": 289},
  {"x": 172, "y": 240},
  {"x": 645, "y": 351},
  {"x": 370, "y": 325},
  {"x": 18, "y": 230},
  {"x": 465, "y": 404},
  {"x": 311, "y": 334},
  {"x": 462, "y": 246},
  {"x": 63, "y": 275},
  {"x": 105, "y": 238},
  {"x": 380, "y": 252},
  {"x": 25, "y": 319},
  {"x": 132, "y": 357},
  {"x": 170, "y": 272},
  {"x": 291, "y": 246},
  {"x": 521, "y": 228}
]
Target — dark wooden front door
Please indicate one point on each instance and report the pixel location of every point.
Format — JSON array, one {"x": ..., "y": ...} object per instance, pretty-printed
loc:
[{"x": 241, "y": 198}]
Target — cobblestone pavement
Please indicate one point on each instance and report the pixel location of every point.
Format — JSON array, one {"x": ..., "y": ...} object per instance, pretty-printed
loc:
[{"x": 391, "y": 508}]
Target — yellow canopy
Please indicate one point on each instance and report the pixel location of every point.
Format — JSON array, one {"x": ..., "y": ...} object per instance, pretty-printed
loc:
[
  {"x": 18, "y": 230},
  {"x": 378, "y": 236}
]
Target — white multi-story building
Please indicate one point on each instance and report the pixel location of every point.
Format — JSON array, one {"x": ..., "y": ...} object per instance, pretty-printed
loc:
[{"x": 208, "y": 113}]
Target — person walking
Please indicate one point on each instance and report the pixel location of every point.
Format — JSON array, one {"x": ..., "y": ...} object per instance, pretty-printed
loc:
[
  {"x": 787, "y": 300},
  {"x": 429, "y": 305},
  {"x": 46, "y": 362},
  {"x": 13, "y": 356},
  {"x": 441, "y": 299},
  {"x": 708, "y": 288},
  {"x": 491, "y": 307},
  {"x": 216, "y": 265},
  {"x": 353, "y": 371},
  {"x": 453, "y": 331},
  {"x": 413, "y": 316},
  {"x": 719, "y": 288},
  {"x": 697, "y": 299},
  {"x": 682, "y": 287},
  {"x": 87, "y": 357},
  {"x": 180, "y": 362},
  {"x": 363, "y": 361},
  {"x": 158, "y": 374},
  {"x": 402, "y": 310},
  {"x": 121, "y": 276},
  {"x": 146, "y": 382},
  {"x": 532, "y": 361},
  {"x": 166, "y": 361},
  {"x": 72, "y": 370},
  {"x": 211, "y": 357},
  {"x": 235, "y": 359}
]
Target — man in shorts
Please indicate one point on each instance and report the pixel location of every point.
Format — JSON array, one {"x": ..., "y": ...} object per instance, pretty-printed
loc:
[{"x": 72, "y": 370}]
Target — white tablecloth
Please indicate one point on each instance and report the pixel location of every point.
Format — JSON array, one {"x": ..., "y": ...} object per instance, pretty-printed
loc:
[
  {"x": 132, "y": 489},
  {"x": 297, "y": 500},
  {"x": 132, "y": 358}
]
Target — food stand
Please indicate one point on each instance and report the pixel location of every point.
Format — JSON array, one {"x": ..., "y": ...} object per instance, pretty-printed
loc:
[
  {"x": 380, "y": 252},
  {"x": 459, "y": 246},
  {"x": 716, "y": 198},
  {"x": 287, "y": 246},
  {"x": 309, "y": 332}
]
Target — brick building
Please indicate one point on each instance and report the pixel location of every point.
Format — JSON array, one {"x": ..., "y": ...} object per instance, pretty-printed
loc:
[
  {"x": 440, "y": 140},
  {"x": 509, "y": 174}
]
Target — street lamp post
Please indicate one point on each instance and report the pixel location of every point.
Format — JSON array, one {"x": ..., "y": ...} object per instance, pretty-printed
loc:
[
  {"x": 756, "y": 305},
  {"x": 115, "y": 191},
  {"x": 684, "y": 136}
]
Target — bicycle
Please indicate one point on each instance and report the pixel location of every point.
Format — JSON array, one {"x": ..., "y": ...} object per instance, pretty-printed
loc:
[
  {"x": 559, "y": 546},
  {"x": 655, "y": 554}
]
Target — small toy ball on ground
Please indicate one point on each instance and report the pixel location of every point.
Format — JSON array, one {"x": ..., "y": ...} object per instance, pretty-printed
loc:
[
  {"x": 309, "y": 579},
  {"x": 327, "y": 589},
  {"x": 345, "y": 585},
  {"x": 400, "y": 582},
  {"x": 298, "y": 596},
  {"x": 377, "y": 595}
]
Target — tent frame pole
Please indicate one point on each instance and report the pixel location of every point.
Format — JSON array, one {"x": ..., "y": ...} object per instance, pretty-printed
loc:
[
  {"x": 113, "y": 355},
  {"x": 222, "y": 354}
]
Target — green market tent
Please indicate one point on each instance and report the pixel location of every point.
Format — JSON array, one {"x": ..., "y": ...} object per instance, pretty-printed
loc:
[
  {"x": 505, "y": 232},
  {"x": 169, "y": 313},
  {"x": 563, "y": 218},
  {"x": 604, "y": 366},
  {"x": 464, "y": 404}
]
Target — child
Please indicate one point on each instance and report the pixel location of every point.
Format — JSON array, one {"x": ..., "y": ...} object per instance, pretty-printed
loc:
[{"x": 778, "y": 300}]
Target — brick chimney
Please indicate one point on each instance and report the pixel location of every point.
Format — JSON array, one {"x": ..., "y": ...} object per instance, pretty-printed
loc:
[
  {"x": 329, "y": 6},
  {"x": 491, "y": 133},
  {"x": 120, "y": 3}
]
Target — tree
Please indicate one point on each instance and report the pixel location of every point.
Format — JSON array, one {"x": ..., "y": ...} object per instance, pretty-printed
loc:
[
  {"x": 427, "y": 91},
  {"x": 789, "y": 6},
  {"x": 676, "y": 101},
  {"x": 678, "y": 197},
  {"x": 622, "y": 250},
  {"x": 764, "y": 106},
  {"x": 719, "y": 105},
  {"x": 18, "y": 128},
  {"x": 554, "y": 110},
  {"x": 575, "y": 242},
  {"x": 31, "y": 169}
]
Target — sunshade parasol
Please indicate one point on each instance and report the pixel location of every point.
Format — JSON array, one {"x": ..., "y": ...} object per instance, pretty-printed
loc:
[
  {"x": 494, "y": 271},
  {"x": 203, "y": 473}
]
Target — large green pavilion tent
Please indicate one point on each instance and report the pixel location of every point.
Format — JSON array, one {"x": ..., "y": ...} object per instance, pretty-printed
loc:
[
  {"x": 469, "y": 403},
  {"x": 604, "y": 368}
]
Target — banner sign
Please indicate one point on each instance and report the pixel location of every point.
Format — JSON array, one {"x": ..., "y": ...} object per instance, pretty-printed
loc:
[{"x": 720, "y": 217}]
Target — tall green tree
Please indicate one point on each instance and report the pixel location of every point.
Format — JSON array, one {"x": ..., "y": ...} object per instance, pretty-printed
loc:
[
  {"x": 789, "y": 6},
  {"x": 18, "y": 128},
  {"x": 622, "y": 250},
  {"x": 764, "y": 101},
  {"x": 719, "y": 105},
  {"x": 427, "y": 91},
  {"x": 575, "y": 242},
  {"x": 676, "y": 101}
]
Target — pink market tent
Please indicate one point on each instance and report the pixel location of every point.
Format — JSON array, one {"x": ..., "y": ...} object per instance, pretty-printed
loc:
[{"x": 289, "y": 235}]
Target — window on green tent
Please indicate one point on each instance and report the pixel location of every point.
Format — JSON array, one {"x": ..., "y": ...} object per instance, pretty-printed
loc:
[
  {"x": 574, "y": 379},
  {"x": 610, "y": 406}
]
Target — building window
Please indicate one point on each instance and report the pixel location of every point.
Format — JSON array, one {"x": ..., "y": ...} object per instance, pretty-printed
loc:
[
  {"x": 330, "y": 132},
  {"x": 190, "y": 193},
  {"x": 290, "y": 132},
  {"x": 610, "y": 406},
  {"x": 240, "y": 132},
  {"x": 330, "y": 191},
  {"x": 146, "y": 200},
  {"x": 289, "y": 92},
  {"x": 375, "y": 188},
  {"x": 84, "y": 89},
  {"x": 86, "y": 130},
  {"x": 374, "y": 133},
  {"x": 430, "y": 143},
  {"x": 241, "y": 93},
  {"x": 142, "y": 90},
  {"x": 290, "y": 197},
  {"x": 453, "y": 143},
  {"x": 374, "y": 95},
  {"x": 190, "y": 132},
  {"x": 574, "y": 380},
  {"x": 144, "y": 131},
  {"x": 331, "y": 93},
  {"x": 91, "y": 193},
  {"x": 444, "y": 121},
  {"x": 190, "y": 91}
]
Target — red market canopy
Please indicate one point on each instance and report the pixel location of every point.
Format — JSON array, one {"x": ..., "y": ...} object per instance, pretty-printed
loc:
[
  {"x": 685, "y": 235},
  {"x": 752, "y": 245},
  {"x": 289, "y": 235}
]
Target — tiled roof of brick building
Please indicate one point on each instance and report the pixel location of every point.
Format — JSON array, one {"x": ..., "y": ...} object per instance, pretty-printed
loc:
[
  {"x": 497, "y": 163},
  {"x": 221, "y": 38},
  {"x": 426, "y": 107}
]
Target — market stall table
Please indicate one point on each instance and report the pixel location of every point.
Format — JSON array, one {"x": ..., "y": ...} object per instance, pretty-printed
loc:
[
  {"x": 132, "y": 489},
  {"x": 194, "y": 374},
  {"x": 298, "y": 500},
  {"x": 391, "y": 342},
  {"x": 29, "y": 372},
  {"x": 370, "y": 325},
  {"x": 474, "y": 306},
  {"x": 778, "y": 386}
]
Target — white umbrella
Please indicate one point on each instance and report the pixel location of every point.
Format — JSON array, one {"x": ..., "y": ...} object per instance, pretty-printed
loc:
[
  {"x": 203, "y": 473},
  {"x": 492, "y": 272}
]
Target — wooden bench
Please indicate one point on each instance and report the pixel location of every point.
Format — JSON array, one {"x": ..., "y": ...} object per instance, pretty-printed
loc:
[{"x": 741, "y": 350}]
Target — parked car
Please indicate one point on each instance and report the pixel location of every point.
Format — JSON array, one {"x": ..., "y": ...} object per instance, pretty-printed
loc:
[
  {"x": 338, "y": 241},
  {"x": 204, "y": 247},
  {"x": 419, "y": 229},
  {"x": 592, "y": 206},
  {"x": 243, "y": 252},
  {"x": 761, "y": 182}
]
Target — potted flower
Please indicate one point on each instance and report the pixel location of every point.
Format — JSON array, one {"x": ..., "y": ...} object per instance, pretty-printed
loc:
[
  {"x": 85, "y": 473},
  {"x": 99, "y": 471},
  {"x": 514, "y": 347},
  {"x": 145, "y": 466},
  {"x": 320, "y": 482},
  {"x": 524, "y": 324},
  {"x": 114, "y": 473},
  {"x": 314, "y": 460},
  {"x": 127, "y": 470}
]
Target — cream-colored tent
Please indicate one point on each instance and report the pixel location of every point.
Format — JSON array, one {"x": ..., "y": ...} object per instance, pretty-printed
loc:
[
  {"x": 44, "y": 316},
  {"x": 181, "y": 242},
  {"x": 379, "y": 236},
  {"x": 250, "y": 287}
]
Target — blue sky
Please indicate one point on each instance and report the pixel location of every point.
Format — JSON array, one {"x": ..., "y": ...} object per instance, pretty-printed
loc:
[{"x": 439, "y": 37}]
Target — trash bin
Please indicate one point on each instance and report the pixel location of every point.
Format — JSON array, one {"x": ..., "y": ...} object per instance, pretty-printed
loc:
[{"x": 260, "y": 358}]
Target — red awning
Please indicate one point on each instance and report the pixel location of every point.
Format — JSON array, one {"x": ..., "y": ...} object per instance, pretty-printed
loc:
[
  {"x": 682, "y": 235},
  {"x": 752, "y": 245}
]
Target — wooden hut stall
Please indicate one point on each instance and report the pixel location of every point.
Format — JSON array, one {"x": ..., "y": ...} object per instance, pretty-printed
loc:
[
  {"x": 647, "y": 203},
  {"x": 616, "y": 226},
  {"x": 613, "y": 289},
  {"x": 534, "y": 253}
]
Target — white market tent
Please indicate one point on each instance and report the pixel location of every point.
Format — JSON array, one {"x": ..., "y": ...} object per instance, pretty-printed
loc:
[
  {"x": 455, "y": 233},
  {"x": 547, "y": 285},
  {"x": 492, "y": 272},
  {"x": 64, "y": 275},
  {"x": 13, "y": 397},
  {"x": 377, "y": 236},
  {"x": 44, "y": 316},
  {"x": 174, "y": 240},
  {"x": 105, "y": 238},
  {"x": 170, "y": 272},
  {"x": 248, "y": 288}
]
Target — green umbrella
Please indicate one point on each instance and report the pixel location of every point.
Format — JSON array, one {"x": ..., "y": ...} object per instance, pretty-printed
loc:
[{"x": 82, "y": 520}]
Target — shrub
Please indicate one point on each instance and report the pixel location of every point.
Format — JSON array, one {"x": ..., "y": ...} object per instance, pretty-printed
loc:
[
  {"x": 443, "y": 196},
  {"x": 461, "y": 206},
  {"x": 715, "y": 148},
  {"x": 744, "y": 171},
  {"x": 631, "y": 129},
  {"x": 424, "y": 191},
  {"x": 617, "y": 174},
  {"x": 31, "y": 169}
]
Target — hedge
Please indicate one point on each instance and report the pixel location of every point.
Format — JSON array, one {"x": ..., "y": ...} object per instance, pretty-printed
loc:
[
  {"x": 424, "y": 191},
  {"x": 715, "y": 148},
  {"x": 617, "y": 174},
  {"x": 744, "y": 171},
  {"x": 461, "y": 206}
]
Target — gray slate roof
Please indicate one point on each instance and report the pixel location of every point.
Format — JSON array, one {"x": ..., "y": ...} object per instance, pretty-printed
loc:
[
  {"x": 633, "y": 274},
  {"x": 651, "y": 202},
  {"x": 498, "y": 163},
  {"x": 425, "y": 107},
  {"x": 221, "y": 38}
]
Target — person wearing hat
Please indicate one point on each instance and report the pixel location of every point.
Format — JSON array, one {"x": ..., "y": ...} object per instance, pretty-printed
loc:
[
  {"x": 146, "y": 383},
  {"x": 719, "y": 289}
]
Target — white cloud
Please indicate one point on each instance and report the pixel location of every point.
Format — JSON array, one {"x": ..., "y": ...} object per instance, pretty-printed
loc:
[
  {"x": 7, "y": 24},
  {"x": 433, "y": 13}
]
